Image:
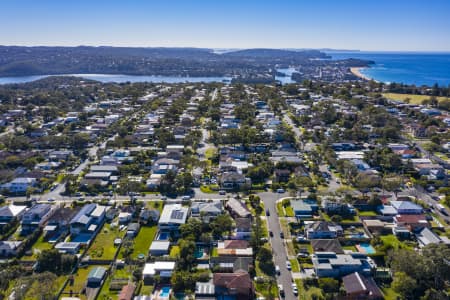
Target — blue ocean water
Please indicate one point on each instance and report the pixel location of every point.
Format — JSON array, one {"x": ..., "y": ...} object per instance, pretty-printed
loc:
[{"x": 403, "y": 67}]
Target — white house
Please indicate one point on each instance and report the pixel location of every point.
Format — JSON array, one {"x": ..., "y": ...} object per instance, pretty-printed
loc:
[
  {"x": 162, "y": 268},
  {"x": 172, "y": 216}
]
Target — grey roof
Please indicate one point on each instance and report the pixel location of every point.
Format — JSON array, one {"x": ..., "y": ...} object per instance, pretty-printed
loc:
[
  {"x": 405, "y": 205},
  {"x": 133, "y": 227},
  {"x": 160, "y": 245},
  {"x": 97, "y": 273},
  {"x": 208, "y": 207},
  {"x": 426, "y": 236},
  {"x": 299, "y": 205},
  {"x": 238, "y": 207},
  {"x": 104, "y": 168},
  {"x": 83, "y": 216},
  {"x": 38, "y": 209}
]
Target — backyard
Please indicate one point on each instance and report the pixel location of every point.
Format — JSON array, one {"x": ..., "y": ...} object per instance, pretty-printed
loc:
[{"x": 103, "y": 245}]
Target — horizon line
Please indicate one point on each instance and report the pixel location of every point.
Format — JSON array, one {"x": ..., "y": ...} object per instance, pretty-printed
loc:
[{"x": 324, "y": 49}]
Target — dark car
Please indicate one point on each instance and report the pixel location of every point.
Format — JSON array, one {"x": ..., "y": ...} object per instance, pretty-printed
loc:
[
  {"x": 267, "y": 212},
  {"x": 282, "y": 235},
  {"x": 271, "y": 233}
]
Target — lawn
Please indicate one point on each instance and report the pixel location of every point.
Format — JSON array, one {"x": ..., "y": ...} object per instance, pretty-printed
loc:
[
  {"x": 294, "y": 265},
  {"x": 289, "y": 211},
  {"x": 124, "y": 273},
  {"x": 369, "y": 213},
  {"x": 267, "y": 290},
  {"x": 103, "y": 245},
  {"x": 394, "y": 242},
  {"x": 143, "y": 240},
  {"x": 414, "y": 99},
  {"x": 290, "y": 248},
  {"x": 155, "y": 205},
  {"x": 280, "y": 209},
  {"x": 38, "y": 247},
  {"x": 80, "y": 279},
  {"x": 389, "y": 294}
]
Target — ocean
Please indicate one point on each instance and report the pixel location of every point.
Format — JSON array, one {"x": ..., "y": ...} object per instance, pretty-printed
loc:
[{"x": 404, "y": 67}]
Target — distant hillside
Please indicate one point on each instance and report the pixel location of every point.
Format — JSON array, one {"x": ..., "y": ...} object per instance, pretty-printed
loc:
[{"x": 276, "y": 53}]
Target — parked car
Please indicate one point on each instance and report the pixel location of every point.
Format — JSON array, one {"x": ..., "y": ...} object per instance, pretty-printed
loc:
[
  {"x": 222, "y": 192},
  {"x": 288, "y": 265},
  {"x": 295, "y": 289},
  {"x": 280, "y": 288},
  {"x": 267, "y": 212},
  {"x": 271, "y": 233},
  {"x": 282, "y": 235},
  {"x": 277, "y": 270},
  {"x": 280, "y": 191}
]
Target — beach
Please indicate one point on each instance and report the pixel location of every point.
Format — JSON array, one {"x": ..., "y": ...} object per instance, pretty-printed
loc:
[{"x": 356, "y": 72}]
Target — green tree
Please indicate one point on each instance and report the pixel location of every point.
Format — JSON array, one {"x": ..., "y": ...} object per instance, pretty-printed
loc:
[{"x": 404, "y": 285}]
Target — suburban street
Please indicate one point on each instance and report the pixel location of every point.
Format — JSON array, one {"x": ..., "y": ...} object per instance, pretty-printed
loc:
[{"x": 277, "y": 243}]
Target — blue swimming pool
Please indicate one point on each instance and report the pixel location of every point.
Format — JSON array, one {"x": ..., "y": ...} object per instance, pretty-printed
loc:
[
  {"x": 367, "y": 248},
  {"x": 198, "y": 252},
  {"x": 162, "y": 236},
  {"x": 165, "y": 292}
]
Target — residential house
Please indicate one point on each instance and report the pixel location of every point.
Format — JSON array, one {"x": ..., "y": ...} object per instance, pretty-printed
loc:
[
  {"x": 36, "y": 217},
  {"x": 127, "y": 291},
  {"x": 282, "y": 175},
  {"x": 406, "y": 208},
  {"x": 425, "y": 237},
  {"x": 234, "y": 248},
  {"x": 205, "y": 290},
  {"x": 147, "y": 215},
  {"x": 238, "y": 285},
  {"x": 88, "y": 219},
  {"x": 162, "y": 268},
  {"x": 234, "y": 181},
  {"x": 323, "y": 230},
  {"x": 327, "y": 245},
  {"x": 10, "y": 213},
  {"x": 20, "y": 185},
  {"x": 359, "y": 287},
  {"x": 412, "y": 222},
  {"x": 206, "y": 210},
  {"x": 243, "y": 228},
  {"x": 237, "y": 209},
  {"x": 58, "y": 225},
  {"x": 172, "y": 217},
  {"x": 9, "y": 248},
  {"x": 330, "y": 264},
  {"x": 301, "y": 209}
]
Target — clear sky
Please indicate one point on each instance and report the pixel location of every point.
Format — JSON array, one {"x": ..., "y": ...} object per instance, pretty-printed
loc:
[{"x": 413, "y": 25}]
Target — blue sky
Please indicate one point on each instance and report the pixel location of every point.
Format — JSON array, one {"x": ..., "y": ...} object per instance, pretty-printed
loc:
[{"x": 413, "y": 25}]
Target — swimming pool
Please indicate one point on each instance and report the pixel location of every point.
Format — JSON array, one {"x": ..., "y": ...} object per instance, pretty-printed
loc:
[
  {"x": 198, "y": 252},
  {"x": 366, "y": 248},
  {"x": 162, "y": 236},
  {"x": 165, "y": 292}
]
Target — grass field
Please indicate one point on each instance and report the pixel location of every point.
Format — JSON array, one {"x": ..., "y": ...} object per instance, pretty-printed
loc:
[
  {"x": 38, "y": 247},
  {"x": 414, "y": 99},
  {"x": 294, "y": 265},
  {"x": 103, "y": 245},
  {"x": 80, "y": 279},
  {"x": 143, "y": 240}
]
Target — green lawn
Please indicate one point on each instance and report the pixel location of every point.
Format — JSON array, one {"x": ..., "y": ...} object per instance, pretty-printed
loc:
[
  {"x": 289, "y": 211},
  {"x": 267, "y": 290},
  {"x": 295, "y": 266},
  {"x": 394, "y": 242},
  {"x": 280, "y": 209},
  {"x": 80, "y": 279},
  {"x": 414, "y": 99},
  {"x": 123, "y": 273},
  {"x": 103, "y": 245},
  {"x": 38, "y": 247},
  {"x": 143, "y": 240},
  {"x": 369, "y": 213},
  {"x": 389, "y": 294}
]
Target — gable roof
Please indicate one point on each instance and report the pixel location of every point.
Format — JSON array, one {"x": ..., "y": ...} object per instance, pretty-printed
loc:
[
  {"x": 405, "y": 205},
  {"x": 327, "y": 245}
]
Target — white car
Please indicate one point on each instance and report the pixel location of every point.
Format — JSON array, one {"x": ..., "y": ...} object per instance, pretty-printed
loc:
[
  {"x": 51, "y": 199},
  {"x": 288, "y": 265},
  {"x": 295, "y": 289}
]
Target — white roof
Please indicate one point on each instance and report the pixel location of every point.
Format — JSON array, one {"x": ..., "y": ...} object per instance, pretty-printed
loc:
[
  {"x": 16, "y": 209},
  {"x": 174, "y": 213},
  {"x": 158, "y": 266},
  {"x": 160, "y": 245}
]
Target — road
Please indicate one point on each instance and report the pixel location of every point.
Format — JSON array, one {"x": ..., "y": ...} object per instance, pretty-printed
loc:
[
  {"x": 277, "y": 243},
  {"x": 423, "y": 195}
]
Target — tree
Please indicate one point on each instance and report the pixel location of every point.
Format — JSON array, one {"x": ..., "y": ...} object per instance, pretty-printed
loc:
[
  {"x": 221, "y": 225},
  {"x": 329, "y": 285},
  {"x": 187, "y": 257},
  {"x": 404, "y": 285}
]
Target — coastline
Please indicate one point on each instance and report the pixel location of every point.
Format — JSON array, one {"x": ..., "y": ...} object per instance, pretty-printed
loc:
[{"x": 357, "y": 72}]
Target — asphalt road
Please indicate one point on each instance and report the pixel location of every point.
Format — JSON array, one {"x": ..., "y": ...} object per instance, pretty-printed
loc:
[{"x": 277, "y": 243}]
